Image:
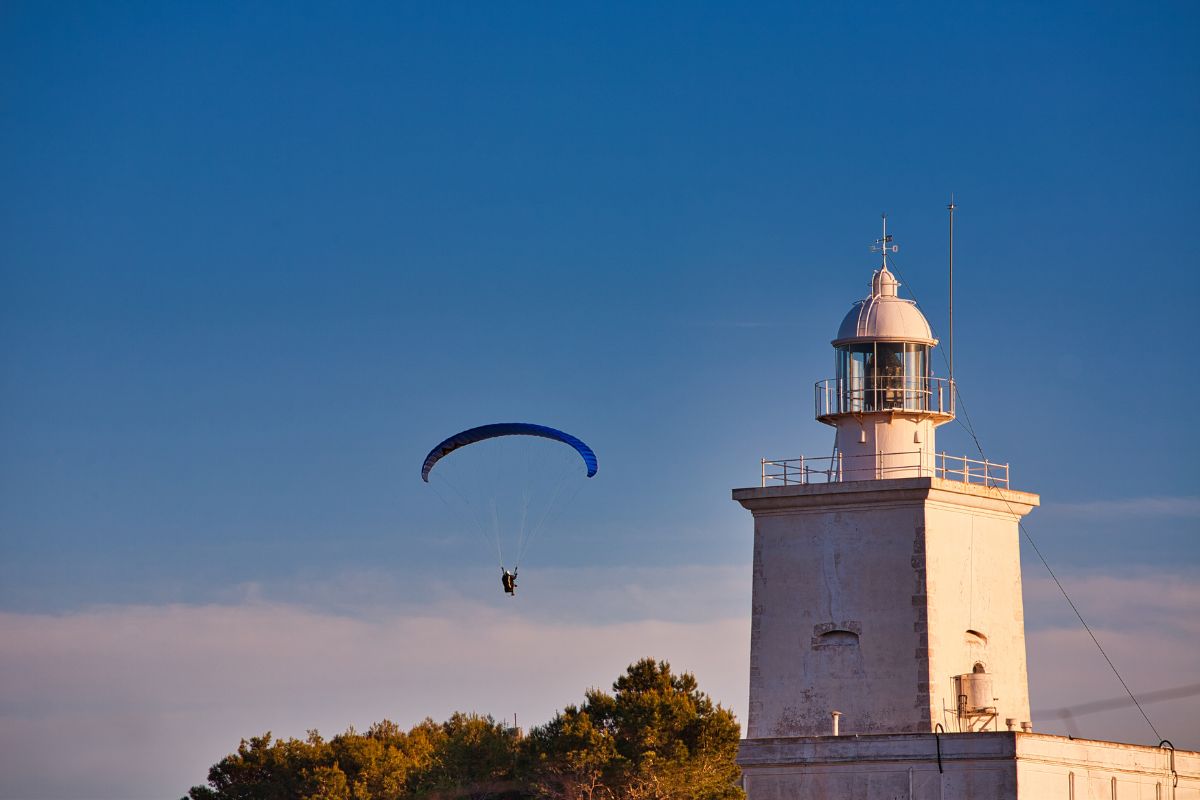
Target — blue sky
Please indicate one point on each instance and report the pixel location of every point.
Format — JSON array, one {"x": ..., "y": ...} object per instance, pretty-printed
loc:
[{"x": 257, "y": 259}]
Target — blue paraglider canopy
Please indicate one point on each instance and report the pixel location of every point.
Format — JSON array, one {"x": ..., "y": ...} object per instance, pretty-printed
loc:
[{"x": 494, "y": 430}]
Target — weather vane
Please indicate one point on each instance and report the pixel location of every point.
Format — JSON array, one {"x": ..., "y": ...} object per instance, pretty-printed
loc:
[{"x": 883, "y": 244}]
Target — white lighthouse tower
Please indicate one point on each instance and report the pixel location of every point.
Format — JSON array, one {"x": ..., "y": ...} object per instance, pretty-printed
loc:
[{"x": 887, "y": 655}]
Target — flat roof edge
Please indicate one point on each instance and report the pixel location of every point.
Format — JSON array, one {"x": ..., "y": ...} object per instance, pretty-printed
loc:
[
  {"x": 987, "y": 746},
  {"x": 896, "y": 488}
]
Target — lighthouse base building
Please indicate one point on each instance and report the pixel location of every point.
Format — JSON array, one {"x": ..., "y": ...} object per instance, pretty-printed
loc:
[
  {"x": 887, "y": 655},
  {"x": 964, "y": 766}
]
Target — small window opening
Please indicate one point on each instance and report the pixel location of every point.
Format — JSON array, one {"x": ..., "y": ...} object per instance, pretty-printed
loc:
[
  {"x": 978, "y": 668},
  {"x": 839, "y": 637}
]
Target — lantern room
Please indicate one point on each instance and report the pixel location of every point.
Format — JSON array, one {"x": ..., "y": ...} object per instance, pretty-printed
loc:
[
  {"x": 884, "y": 399},
  {"x": 882, "y": 351}
]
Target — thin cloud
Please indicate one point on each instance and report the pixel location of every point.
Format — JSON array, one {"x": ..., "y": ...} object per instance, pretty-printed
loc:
[
  {"x": 1188, "y": 507},
  {"x": 1148, "y": 626},
  {"x": 179, "y": 685},
  {"x": 741, "y": 324},
  {"x": 1066, "y": 670},
  {"x": 684, "y": 593},
  {"x": 1143, "y": 600}
]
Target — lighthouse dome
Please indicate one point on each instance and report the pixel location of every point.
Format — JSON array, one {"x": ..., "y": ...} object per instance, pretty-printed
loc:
[{"x": 882, "y": 316}]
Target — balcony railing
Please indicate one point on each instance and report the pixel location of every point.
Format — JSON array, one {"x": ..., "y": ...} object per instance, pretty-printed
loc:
[
  {"x": 837, "y": 468},
  {"x": 934, "y": 396}
]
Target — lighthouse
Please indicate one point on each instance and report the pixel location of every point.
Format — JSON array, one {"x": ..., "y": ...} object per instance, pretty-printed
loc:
[{"x": 887, "y": 652}]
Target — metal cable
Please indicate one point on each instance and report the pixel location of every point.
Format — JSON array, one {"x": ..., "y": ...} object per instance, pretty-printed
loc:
[{"x": 969, "y": 427}]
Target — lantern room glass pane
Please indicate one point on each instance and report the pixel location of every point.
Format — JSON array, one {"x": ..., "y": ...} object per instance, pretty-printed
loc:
[
  {"x": 882, "y": 376},
  {"x": 916, "y": 376},
  {"x": 852, "y": 364},
  {"x": 889, "y": 375}
]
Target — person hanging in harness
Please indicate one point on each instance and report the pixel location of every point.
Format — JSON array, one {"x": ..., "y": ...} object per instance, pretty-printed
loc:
[{"x": 509, "y": 581}]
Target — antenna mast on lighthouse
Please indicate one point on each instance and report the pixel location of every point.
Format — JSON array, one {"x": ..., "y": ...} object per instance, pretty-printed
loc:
[{"x": 950, "y": 208}]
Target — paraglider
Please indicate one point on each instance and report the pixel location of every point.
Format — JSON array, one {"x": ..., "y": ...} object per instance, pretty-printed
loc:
[
  {"x": 483, "y": 432},
  {"x": 515, "y": 478}
]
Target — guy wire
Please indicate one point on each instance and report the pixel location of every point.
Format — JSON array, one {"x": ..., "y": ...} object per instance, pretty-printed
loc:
[{"x": 970, "y": 429}]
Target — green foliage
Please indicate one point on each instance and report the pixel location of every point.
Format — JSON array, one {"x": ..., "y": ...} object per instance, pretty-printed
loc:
[
  {"x": 475, "y": 752},
  {"x": 655, "y": 737},
  {"x": 264, "y": 770},
  {"x": 569, "y": 757}
]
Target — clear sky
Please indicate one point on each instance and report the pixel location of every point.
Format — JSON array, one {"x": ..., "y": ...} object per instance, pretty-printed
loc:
[{"x": 256, "y": 259}]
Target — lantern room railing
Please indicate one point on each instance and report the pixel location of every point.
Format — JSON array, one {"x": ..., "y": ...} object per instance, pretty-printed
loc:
[
  {"x": 839, "y": 467},
  {"x": 836, "y": 396}
]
